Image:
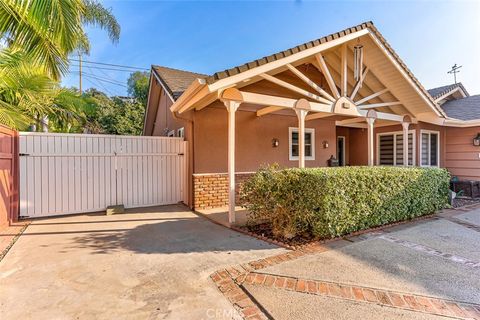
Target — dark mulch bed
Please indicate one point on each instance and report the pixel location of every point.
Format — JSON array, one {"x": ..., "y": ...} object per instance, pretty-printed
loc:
[
  {"x": 460, "y": 202},
  {"x": 265, "y": 230}
]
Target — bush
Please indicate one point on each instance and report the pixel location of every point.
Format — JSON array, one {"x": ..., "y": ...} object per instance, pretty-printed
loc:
[{"x": 329, "y": 202}]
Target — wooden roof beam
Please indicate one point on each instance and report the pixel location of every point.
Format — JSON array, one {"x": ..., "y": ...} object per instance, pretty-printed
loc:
[
  {"x": 374, "y": 95},
  {"x": 379, "y": 105},
  {"x": 293, "y": 88},
  {"x": 331, "y": 83},
  {"x": 267, "y": 110},
  {"x": 344, "y": 70},
  {"x": 308, "y": 81}
]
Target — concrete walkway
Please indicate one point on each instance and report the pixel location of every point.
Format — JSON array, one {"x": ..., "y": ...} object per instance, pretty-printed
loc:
[
  {"x": 423, "y": 270},
  {"x": 147, "y": 264}
]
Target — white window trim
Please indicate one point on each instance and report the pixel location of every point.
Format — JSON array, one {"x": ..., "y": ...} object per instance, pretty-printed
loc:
[
  {"x": 171, "y": 133},
  {"x": 181, "y": 132},
  {"x": 429, "y": 151},
  {"x": 344, "y": 151},
  {"x": 307, "y": 130},
  {"x": 395, "y": 133}
]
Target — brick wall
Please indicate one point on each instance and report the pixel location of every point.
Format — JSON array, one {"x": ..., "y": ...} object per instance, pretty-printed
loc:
[{"x": 211, "y": 190}]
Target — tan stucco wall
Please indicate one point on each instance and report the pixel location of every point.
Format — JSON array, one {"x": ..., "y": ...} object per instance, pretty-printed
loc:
[
  {"x": 253, "y": 140},
  {"x": 462, "y": 157}
]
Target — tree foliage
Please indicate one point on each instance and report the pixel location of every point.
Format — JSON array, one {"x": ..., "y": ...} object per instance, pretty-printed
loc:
[
  {"x": 137, "y": 84},
  {"x": 38, "y": 36}
]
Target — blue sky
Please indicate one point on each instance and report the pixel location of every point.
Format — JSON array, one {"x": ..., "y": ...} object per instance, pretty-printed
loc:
[{"x": 205, "y": 37}]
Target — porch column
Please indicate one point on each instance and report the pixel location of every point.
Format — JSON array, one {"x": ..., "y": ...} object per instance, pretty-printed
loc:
[
  {"x": 370, "y": 122},
  {"x": 405, "y": 143},
  {"x": 232, "y": 107},
  {"x": 301, "y": 114}
]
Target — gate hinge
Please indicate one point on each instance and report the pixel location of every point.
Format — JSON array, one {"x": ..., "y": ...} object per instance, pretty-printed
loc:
[{"x": 181, "y": 154}]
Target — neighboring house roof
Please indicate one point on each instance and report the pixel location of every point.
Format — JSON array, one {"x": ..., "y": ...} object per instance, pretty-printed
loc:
[
  {"x": 175, "y": 81},
  {"x": 440, "y": 91},
  {"x": 463, "y": 109}
]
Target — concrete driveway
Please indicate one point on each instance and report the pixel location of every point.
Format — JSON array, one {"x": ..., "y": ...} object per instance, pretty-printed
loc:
[
  {"x": 147, "y": 264},
  {"x": 423, "y": 270}
]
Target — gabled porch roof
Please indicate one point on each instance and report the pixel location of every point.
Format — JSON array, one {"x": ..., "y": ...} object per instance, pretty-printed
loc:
[{"x": 389, "y": 86}]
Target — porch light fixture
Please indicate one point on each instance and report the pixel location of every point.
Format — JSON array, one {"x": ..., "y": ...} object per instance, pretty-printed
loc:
[
  {"x": 476, "y": 140},
  {"x": 275, "y": 142},
  {"x": 325, "y": 144}
]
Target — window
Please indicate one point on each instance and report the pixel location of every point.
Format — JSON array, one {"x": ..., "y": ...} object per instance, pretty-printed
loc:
[
  {"x": 309, "y": 144},
  {"x": 171, "y": 133},
  {"x": 430, "y": 148},
  {"x": 181, "y": 132},
  {"x": 390, "y": 148}
]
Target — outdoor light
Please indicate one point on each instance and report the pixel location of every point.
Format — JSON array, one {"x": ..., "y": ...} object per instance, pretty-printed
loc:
[
  {"x": 325, "y": 144},
  {"x": 275, "y": 142},
  {"x": 476, "y": 140}
]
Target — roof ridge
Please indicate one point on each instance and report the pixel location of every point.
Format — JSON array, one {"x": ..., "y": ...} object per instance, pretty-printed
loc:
[
  {"x": 287, "y": 52},
  {"x": 176, "y": 69},
  {"x": 446, "y": 89}
]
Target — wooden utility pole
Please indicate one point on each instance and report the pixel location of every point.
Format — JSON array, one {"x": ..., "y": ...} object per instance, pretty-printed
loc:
[{"x": 80, "y": 72}]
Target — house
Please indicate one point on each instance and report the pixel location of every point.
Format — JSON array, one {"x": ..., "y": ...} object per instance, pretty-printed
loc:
[{"x": 346, "y": 95}]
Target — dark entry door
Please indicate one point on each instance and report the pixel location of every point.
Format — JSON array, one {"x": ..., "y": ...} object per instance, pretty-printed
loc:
[{"x": 341, "y": 150}]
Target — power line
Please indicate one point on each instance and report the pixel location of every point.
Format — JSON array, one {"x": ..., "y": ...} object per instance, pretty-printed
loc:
[
  {"x": 107, "y": 78},
  {"x": 110, "y": 64},
  {"x": 96, "y": 84},
  {"x": 102, "y": 79},
  {"x": 103, "y": 68}
]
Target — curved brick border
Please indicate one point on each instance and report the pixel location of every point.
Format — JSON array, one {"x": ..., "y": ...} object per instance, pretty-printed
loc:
[
  {"x": 230, "y": 280},
  {"x": 407, "y": 301}
]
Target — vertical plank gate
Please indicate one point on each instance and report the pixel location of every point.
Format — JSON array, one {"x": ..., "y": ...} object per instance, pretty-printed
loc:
[
  {"x": 74, "y": 173},
  {"x": 8, "y": 176}
]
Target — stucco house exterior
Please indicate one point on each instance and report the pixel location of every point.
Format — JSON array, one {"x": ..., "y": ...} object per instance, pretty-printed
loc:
[{"x": 346, "y": 95}]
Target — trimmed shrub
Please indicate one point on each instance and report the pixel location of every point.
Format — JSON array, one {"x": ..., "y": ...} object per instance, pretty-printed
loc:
[{"x": 330, "y": 202}]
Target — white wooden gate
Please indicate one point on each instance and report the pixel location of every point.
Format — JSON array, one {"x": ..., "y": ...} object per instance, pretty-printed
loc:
[{"x": 73, "y": 173}]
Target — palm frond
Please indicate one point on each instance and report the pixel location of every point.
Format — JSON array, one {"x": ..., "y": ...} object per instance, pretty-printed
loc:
[{"x": 98, "y": 15}]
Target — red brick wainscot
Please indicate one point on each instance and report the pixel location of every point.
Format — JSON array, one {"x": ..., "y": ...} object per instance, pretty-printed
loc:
[{"x": 211, "y": 189}]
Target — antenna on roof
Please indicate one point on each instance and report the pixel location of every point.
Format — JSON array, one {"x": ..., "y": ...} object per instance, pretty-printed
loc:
[{"x": 454, "y": 71}]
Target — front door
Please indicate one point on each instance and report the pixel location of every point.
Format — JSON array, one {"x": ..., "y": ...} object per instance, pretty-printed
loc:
[{"x": 341, "y": 150}]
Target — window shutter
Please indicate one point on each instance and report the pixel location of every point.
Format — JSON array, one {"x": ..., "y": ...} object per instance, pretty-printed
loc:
[{"x": 386, "y": 150}]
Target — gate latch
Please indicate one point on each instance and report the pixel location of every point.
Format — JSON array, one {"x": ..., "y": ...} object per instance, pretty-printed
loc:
[{"x": 24, "y": 154}]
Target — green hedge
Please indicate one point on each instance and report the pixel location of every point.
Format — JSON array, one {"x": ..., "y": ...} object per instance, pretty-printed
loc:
[{"x": 329, "y": 202}]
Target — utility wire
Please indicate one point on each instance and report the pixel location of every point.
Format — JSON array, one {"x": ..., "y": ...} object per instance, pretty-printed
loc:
[
  {"x": 102, "y": 79},
  {"x": 96, "y": 84},
  {"x": 102, "y": 68},
  {"x": 110, "y": 64},
  {"x": 107, "y": 78}
]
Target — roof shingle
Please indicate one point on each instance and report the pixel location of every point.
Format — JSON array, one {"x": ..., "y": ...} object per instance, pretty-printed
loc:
[
  {"x": 463, "y": 109},
  {"x": 176, "y": 81},
  {"x": 440, "y": 91}
]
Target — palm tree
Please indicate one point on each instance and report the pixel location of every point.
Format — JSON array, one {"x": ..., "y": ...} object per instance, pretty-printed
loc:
[
  {"x": 37, "y": 38},
  {"x": 47, "y": 31}
]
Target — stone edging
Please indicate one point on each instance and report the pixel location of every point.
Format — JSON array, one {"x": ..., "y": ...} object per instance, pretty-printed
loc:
[
  {"x": 406, "y": 301},
  {"x": 230, "y": 281}
]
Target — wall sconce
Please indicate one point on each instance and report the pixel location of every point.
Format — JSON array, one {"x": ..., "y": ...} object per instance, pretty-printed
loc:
[
  {"x": 476, "y": 140},
  {"x": 325, "y": 144},
  {"x": 275, "y": 142}
]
